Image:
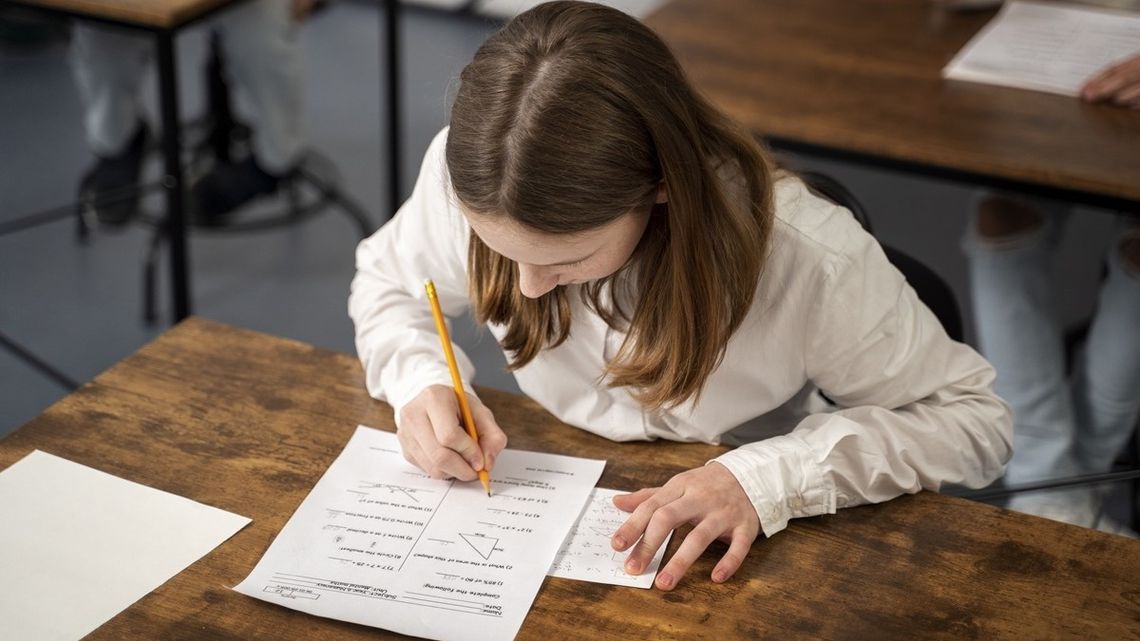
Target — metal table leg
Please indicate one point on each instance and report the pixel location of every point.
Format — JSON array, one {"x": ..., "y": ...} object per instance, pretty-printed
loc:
[
  {"x": 391, "y": 52},
  {"x": 174, "y": 223}
]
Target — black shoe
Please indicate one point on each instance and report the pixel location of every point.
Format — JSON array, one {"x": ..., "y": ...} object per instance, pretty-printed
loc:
[
  {"x": 110, "y": 188},
  {"x": 227, "y": 187}
]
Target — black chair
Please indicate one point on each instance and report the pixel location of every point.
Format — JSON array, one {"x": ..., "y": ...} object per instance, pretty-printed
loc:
[{"x": 930, "y": 287}]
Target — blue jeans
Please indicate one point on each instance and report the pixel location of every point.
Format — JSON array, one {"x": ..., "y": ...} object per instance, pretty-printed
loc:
[{"x": 1061, "y": 427}]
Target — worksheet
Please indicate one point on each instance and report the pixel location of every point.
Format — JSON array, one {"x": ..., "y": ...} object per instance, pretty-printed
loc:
[
  {"x": 1046, "y": 47},
  {"x": 587, "y": 554},
  {"x": 378, "y": 542}
]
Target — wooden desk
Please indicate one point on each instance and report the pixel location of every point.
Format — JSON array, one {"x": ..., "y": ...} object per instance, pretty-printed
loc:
[
  {"x": 164, "y": 14},
  {"x": 248, "y": 423},
  {"x": 860, "y": 80}
]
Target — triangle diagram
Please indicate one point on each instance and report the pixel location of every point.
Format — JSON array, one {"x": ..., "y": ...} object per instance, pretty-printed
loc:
[{"x": 484, "y": 545}]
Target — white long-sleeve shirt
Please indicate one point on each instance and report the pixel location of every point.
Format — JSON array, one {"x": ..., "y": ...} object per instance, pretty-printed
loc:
[{"x": 830, "y": 313}]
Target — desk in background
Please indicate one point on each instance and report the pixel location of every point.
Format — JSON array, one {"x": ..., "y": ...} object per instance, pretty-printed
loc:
[
  {"x": 248, "y": 423},
  {"x": 860, "y": 80}
]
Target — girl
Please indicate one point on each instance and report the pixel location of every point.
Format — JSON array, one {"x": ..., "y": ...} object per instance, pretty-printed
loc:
[{"x": 651, "y": 275}]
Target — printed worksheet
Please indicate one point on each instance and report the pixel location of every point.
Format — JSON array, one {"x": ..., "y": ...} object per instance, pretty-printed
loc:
[
  {"x": 587, "y": 554},
  {"x": 378, "y": 542}
]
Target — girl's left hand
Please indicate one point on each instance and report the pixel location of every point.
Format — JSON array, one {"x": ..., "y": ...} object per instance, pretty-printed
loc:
[{"x": 711, "y": 499}]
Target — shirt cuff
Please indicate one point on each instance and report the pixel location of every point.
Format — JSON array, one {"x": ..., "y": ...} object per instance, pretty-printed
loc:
[{"x": 782, "y": 480}]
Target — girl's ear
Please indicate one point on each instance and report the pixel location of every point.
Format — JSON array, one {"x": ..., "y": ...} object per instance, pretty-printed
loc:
[{"x": 662, "y": 193}]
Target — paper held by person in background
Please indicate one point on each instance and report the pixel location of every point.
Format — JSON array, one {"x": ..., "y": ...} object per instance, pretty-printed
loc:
[
  {"x": 378, "y": 542},
  {"x": 587, "y": 554},
  {"x": 1046, "y": 47},
  {"x": 78, "y": 546}
]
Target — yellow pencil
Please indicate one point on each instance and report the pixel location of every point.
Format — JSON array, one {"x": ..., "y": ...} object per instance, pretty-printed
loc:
[{"x": 456, "y": 381}]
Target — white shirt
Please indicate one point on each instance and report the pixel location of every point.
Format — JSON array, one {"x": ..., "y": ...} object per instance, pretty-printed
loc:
[{"x": 830, "y": 312}]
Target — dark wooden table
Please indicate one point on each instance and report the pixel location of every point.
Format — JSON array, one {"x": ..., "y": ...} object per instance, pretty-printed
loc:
[
  {"x": 248, "y": 422},
  {"x": 860, "y": 80}
]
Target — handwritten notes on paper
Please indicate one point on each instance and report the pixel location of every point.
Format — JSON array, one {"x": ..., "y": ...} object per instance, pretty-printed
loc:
[
  {"x": 378, "y": 542},
  {"x": 587, "y": 555},
  {"x": 1046, "y": 47},
  {"x": 78, "y": 546}
]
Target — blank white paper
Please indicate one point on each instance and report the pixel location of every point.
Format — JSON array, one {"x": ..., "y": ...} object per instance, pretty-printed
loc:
[
  {"x": 378, "y": 542},
  {"x": 1046, "y": 47},
  {"x": 587, "y": 554},
  {"x": 78, "y": 546}
]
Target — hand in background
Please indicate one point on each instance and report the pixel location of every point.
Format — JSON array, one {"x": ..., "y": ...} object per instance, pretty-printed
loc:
[
  {"x": 1118, "y": 84},
  {"x": 433, "y": 439},
  {"x": 711, "y": 499}
]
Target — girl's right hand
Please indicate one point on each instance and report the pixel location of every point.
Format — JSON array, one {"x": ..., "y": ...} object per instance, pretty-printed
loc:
[{"x": 432, "y": 436}]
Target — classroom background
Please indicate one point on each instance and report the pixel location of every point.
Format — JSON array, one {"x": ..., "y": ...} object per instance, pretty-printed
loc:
[{"x": 78, "y": 306}]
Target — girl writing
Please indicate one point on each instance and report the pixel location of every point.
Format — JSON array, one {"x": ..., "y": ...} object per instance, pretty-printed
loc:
[{"x": 651, "y": 274}]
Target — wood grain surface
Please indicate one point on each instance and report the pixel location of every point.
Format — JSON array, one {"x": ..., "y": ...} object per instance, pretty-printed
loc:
[
  {"x": 248, "y": 422},
  {"x": 863, "y": 76},
  {"x": 166, "y": 14}
]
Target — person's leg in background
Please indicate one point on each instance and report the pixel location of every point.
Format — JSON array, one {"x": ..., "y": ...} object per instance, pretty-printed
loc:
[
  {"x": 1106, "y": 380},
  {"x": 108, "y": 65},
  {"x": 262, "y": 56},
  {"x": 1010, "y": 246}
]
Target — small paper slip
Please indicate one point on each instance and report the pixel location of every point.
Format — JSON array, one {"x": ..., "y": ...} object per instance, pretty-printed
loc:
[
  {"x": 1046, "y": 47},
  {"x": 378, "y": 542},
  {"x": 587, "y": 555},
  {"x": 78, "y": 546}
]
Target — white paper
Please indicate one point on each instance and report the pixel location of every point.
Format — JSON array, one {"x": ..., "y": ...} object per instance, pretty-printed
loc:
[
  {"x": 378, "y": 542},
  {"x": 587, "y": 554},
  {"x": 1046, "y": 47},
  {"x": 78, "y": 546}
]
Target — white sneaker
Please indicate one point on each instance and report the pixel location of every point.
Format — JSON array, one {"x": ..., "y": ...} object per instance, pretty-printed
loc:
[
  {"x": 1077, "y": 506},
  {"x": 1112, "y": 526}
]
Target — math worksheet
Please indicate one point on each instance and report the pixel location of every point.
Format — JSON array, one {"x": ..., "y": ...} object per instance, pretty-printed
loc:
[
  {"x": 378, "y": 542},
  {"x": 587, "y": 554}
]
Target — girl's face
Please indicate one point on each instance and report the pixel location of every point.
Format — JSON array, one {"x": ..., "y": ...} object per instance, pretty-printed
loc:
[{"x": 548, "y": 260}]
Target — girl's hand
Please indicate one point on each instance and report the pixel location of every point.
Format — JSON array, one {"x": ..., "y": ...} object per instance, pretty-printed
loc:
[
  {"x": 711, "y": 499},
  {"x": 1118, "y": 83},
  {"x": 433, "y": 439}
]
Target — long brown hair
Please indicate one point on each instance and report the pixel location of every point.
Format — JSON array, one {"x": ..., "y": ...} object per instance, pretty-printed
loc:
[{"x": 571, "y": 116}]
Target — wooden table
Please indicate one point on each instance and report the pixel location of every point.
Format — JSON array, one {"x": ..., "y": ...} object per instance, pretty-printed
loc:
[
  {"x": 247, "y": 422},
  {"x": 860, "y": 80}
]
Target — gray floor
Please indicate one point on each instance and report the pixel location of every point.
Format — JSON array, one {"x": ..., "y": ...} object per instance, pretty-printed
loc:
[{"x": 78, "y": 306}]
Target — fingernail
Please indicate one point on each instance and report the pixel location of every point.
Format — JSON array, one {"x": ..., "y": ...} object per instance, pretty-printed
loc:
[
  {"x": 664, "y": 581},
  {"x": 619, "y": 543},
  {"x": 632, "y": 567},
  {"x": 719, "y": 576},
  {"x": 476, "y": 463}
]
